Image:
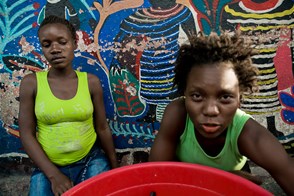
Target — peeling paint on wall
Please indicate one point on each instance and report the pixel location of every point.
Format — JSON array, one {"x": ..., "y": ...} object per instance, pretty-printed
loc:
[{"x": 132, "y": 45}]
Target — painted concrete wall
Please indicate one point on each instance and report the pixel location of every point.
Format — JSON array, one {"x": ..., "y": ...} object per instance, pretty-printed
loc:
[{"x": 131, "y": 46}]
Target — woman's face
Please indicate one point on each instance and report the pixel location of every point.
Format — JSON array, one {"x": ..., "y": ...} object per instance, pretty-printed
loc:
[
  {"x": 212, "y": 98},
  {"x": 57, "y": 45}
]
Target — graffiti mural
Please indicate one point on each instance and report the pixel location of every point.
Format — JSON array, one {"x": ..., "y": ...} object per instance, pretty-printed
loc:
[
  {"x": 267, "y": 23},
  {"x": 131, "y": 45},
  {"x": 141, "y": 72}
]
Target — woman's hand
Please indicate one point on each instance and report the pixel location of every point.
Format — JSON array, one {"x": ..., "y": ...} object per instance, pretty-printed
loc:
[{"x": 60, "y": 183}]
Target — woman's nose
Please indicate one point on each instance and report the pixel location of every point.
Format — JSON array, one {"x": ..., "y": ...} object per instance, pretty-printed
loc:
[
  {"x": 211, "y": 108},
  {"x": 55, "y": 48}
]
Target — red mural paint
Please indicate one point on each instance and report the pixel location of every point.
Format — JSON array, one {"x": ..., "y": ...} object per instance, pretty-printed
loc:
[{"x": 283, "y": 60}]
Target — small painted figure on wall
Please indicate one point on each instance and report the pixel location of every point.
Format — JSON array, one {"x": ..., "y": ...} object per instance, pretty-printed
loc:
[{"x": 147, "y": 46}]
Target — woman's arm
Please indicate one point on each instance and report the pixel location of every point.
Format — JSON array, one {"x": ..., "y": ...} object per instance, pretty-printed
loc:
[
  {"x": 261, "y": 147},
  {"x": 100, "y": 122},
  {"x": 27, "y": 124},
  {"x": 171, "y": 128}
]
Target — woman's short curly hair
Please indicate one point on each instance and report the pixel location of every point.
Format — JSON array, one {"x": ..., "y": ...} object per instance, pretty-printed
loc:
[
  {"x": 211, "y": 49},
  {"x": 52, "y": 19}
]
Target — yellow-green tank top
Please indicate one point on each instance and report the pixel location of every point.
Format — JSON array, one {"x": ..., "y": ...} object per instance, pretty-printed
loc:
[{"x": 65, "y": 127}]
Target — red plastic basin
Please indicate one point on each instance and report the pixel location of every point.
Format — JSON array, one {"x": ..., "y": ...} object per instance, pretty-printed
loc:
[{"x": 166, "y": 178}]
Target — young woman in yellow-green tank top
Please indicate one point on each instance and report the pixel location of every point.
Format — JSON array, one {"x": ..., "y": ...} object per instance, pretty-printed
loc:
[{"x": 62, "y": 117}]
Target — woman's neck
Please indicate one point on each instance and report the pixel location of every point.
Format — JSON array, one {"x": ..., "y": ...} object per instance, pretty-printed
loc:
[
  {"x": 61, "y": 73},
  {"x": 214, "y": 146}
]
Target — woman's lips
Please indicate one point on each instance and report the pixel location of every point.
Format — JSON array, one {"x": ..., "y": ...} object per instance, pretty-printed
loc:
[
  {"x": 57, "y": 60},
  {"x": 209, "y": 128}
]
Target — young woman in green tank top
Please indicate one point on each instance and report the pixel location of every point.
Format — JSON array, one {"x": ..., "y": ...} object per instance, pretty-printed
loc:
[{"x": 205, "y": 126}]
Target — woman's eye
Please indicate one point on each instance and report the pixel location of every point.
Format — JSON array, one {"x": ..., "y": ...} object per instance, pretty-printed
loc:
[
  {"x": 46, "y": 45},
  {"x": 226, "y": 98},
  {"x": 196, "y": 97},
  {"x": 62, "y": 41}
]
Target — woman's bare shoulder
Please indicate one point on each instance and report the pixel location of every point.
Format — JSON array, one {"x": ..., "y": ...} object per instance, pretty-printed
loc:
[
  {"x": 175, "y": 115},
  {"x": 93, "y": 79},
  {"x": 28, "y": 86},
  {"x": 29, "y": 79},
  {"x": 178, "y": 106}
]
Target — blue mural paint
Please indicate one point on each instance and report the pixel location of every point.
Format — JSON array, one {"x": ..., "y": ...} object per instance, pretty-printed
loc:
[
  {"x": 131, "y": 123},
  {"x": 287, "y": 100},
  {"x": 20, "y": 20}
]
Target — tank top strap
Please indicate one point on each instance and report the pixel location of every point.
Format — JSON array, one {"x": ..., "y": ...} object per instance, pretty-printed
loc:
[
  {"x": 42, "y": 82},
  {"x": 83, "y": 87}
]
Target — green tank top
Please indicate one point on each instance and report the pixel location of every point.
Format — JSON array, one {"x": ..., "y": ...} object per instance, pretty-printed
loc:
[
  {"x": 65, "y": 127},
  {"x": 189, "y": 150}
]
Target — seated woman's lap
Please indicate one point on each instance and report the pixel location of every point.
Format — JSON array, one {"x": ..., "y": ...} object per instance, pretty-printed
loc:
[{"x": 93, "y": 164}]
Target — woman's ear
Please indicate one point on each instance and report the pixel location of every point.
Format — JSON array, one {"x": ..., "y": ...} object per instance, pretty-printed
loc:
[
  {"x": 76, "y": 41},
  {"x": 75, "y": 44},
  {"x": 240, "y": 100}
]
